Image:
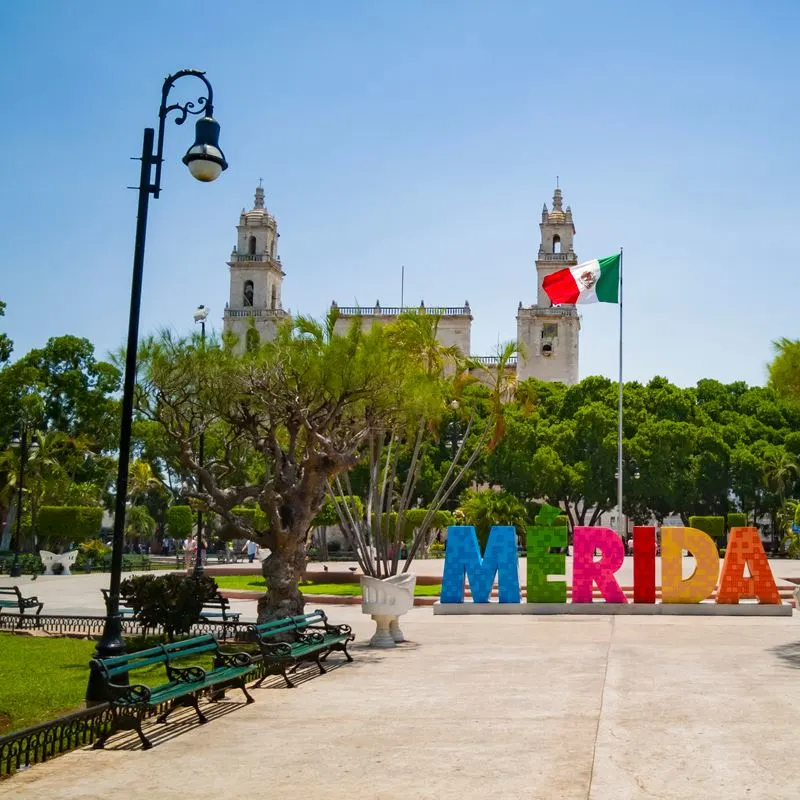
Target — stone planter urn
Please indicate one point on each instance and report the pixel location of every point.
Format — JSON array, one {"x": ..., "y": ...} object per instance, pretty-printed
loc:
[
  {"x": 56, "y": 560},
  {"x": 385, "y": 600}
]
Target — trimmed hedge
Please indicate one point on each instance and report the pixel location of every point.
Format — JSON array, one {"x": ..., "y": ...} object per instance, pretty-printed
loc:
[
  {"x": 180, "y": 520},
  {"x": 254, "y": 516},
  {"x": 737, "y": 520},
  {"x": 60, "y": 525},
  {"x": 327, "y": 514},
  {"x": 713, "y": 526}
]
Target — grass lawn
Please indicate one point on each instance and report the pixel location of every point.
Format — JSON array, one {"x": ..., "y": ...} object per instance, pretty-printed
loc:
[
  {"x": 43, "y": 678},
  {"x": 255, "y": 584}
]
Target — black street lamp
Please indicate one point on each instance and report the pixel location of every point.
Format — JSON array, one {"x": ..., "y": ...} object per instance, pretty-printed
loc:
[
  {"x": 205, "y": 161},
  {"x": 21, "y": 440},
  {"x": 200, "y": 316},
  {"x": 632, "y": 468}
]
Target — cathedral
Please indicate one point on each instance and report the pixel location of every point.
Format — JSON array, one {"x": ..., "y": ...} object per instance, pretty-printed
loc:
[{"x": 547, "y": 336}]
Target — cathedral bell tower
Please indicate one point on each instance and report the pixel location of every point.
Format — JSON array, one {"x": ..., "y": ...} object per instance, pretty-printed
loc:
[
  {"x": 254, "y": 308},
  {"x": 549, "y": 336}
]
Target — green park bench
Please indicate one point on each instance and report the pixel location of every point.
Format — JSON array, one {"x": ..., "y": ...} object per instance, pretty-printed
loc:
[
  {"x": 182, "y": 687},
  {"x": 11, "y": 597},
  {"x": 218, "y": 607},
  {"x": 312, "y": 639}
]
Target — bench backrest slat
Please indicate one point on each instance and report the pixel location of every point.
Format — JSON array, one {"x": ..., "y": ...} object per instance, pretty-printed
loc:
[
  {"x": 289, "y": 624},
  {"x": 197, "y": 645}
]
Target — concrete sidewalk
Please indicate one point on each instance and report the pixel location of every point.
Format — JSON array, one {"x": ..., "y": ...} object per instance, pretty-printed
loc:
[{"x": 506, "y": 707}]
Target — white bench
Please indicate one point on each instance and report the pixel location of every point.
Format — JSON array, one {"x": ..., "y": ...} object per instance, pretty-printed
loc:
[
  {"x": 66, "y": 560},
  {"x": 385, "y": 600}
]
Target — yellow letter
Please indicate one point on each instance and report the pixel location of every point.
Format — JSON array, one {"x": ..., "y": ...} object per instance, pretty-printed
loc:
[{"x": 700, "y": 584}]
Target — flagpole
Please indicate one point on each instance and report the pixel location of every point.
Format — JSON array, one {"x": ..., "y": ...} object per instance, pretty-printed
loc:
[{"x": 619, "y": 412}]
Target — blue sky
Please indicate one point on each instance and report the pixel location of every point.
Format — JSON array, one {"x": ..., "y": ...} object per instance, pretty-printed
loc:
[{"x": 424, "y": 134}]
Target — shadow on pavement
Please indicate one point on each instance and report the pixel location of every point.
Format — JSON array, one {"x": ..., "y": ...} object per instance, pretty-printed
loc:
[
  {"x": 179, "y": 722},
  {"x": 789, "y": 653}
]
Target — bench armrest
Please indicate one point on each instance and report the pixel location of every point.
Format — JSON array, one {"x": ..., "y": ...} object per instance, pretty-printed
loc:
[
  {"x": 275, "y": 649},
  {"x": 337, "y": 630},
  {"x": 233, "y": 660},
  {"x": 309, "y": 636},
  {"x": 133, "y": 695},
  {"x": 186, "y": 674}
]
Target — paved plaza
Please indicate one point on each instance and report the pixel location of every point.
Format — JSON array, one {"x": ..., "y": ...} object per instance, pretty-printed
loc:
[{"x": 502, "y": 707}]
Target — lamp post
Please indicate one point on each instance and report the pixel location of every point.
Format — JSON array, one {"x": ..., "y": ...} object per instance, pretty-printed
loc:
[
  {"x": 21, "y": 439},
  {"x": 205, "y": 161},
  {"x": 200, "y": 316},
  {"x": 633, "y": 469}
]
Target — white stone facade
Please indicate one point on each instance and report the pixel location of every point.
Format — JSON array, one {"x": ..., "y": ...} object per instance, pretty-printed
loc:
[
  {"x": 454, "y": 328},
  {"x": 254, "y": 308},
  {"x": 548, "y": 337}
]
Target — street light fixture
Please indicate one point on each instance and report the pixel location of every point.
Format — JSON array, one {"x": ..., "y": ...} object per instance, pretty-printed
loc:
[
  {"x": 200, "y": 316},
  {"x": 206, "y": 162}
]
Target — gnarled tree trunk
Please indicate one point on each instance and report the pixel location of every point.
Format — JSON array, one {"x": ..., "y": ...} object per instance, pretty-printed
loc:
[{"x": 281, "y": 570}]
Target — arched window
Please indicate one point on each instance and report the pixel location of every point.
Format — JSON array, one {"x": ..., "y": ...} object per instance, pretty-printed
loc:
[
  {"x": 274, "y": 299},
  {"x": 251, "y": 246},
  {"x": 252, "y": 340},
  {"x": 556, "y": 244},
  {"x": 248, "y": 293}
]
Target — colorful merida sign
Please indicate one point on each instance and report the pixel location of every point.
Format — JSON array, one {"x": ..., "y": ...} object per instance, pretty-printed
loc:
[{"x": 745, "y": 571}]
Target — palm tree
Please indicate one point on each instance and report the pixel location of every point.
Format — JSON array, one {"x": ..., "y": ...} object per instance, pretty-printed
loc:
[
  {"x": 141, "y": 480},
  {"x": 780, "y": 468},
  {"x": 138, "y": 523},
  {"x": 501, "y": 382}
]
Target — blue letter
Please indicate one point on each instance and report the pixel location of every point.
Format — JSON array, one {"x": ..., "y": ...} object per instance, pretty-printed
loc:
[{"x": 463, "y": 559}]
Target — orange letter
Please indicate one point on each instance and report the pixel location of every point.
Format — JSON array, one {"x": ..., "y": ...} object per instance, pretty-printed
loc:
[
  {"x": 745, "y": 548},
  {"x": 700, "y": 584}
]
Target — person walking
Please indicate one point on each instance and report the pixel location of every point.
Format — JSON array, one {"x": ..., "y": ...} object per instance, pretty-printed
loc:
[{"x": 252, "y": 548}]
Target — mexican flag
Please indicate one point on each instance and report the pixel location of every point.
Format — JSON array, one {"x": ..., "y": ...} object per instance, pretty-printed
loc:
[{"x": 594, "y": 281}]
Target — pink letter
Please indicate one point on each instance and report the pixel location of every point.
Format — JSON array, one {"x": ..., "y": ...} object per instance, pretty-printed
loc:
[{"x": 585, "y": 569}]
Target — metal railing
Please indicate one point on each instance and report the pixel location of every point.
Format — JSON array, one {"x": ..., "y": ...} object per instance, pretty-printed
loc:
[
  {"x": 394, "y": 311},
  {"x": 558, "y": 257},
  {"x": 254, "y": 257},
  {"x": 566, "y": 311},
  {"x": 492, "y": 360},
  {"x": 254, "y": 312}
]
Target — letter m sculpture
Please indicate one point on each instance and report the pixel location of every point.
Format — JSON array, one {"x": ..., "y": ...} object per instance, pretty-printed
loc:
[{"x": 463, "y": 560}]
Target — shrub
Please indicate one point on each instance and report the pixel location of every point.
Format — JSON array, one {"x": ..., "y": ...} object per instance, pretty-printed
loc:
[
  {"x": 179, "y": 522},
  {"x": 58, "y": 526},
  {"x": 436, "y": 550},
  {"x": 485, "y": 508},
  {"x": 737, "y": 520},
  {"x": 713, "y": 526},
  {"x": 173, "y": 601}
]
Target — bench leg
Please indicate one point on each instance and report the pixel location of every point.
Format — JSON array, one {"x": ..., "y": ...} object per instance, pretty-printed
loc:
[
  {"x": 289, "y": 684},
  {"x": 318, "y": 660},
  {"x": 346, "y": 654},
  {"x": 189, "y": 700},
  {"x": 124, "y": 722},
  {"x": 243, "y": 687}
]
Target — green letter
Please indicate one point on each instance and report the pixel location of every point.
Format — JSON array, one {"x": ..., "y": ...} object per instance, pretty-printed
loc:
[{"x": 541, "y": 563}]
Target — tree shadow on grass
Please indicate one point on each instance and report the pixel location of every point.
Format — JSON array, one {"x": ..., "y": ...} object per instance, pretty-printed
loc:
[{"x": 789, "y": 653}]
